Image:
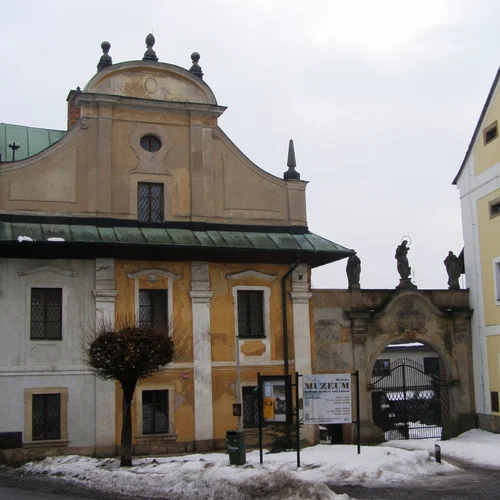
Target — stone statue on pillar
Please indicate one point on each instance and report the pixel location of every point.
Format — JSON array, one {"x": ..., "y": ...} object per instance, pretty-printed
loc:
[
  {"x": 404, "y": 268},
  {"x": 353, "y": 271},
  {"x": 454, "y": 269}
]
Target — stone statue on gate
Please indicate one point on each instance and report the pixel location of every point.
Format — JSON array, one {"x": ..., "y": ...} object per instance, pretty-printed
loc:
[
  {"x": 404, "y": 268},
  {"x": 353, "y": 270},
  {"x": 454, "y": 269},
  {"x": 401, "y": 256}
]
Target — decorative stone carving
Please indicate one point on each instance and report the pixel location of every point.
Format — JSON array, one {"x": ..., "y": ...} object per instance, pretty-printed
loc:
[
  {"x": 84, "y": 123},
  {"x": 462, "y": 338},
  {"x": 359, "y": 338},
  {"x": 409, "y": 318},
  {"x": 251, "y": 273},
  {"x": 216, "y": 134},
  {"x": 153, "y": 278}
]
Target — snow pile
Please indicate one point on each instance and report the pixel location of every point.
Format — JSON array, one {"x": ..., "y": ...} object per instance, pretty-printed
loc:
[
  {"x": 55, "y": 238},
  {"x": 210, "y": 476},
  {"x": 20, "y": 239},
  {"x": 475, "y": 446}
]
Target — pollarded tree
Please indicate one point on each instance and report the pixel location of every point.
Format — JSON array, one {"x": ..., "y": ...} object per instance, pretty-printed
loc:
[{"x": 128, "y": 353}]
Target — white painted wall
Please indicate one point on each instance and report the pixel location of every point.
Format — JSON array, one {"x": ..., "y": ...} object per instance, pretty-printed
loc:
[
  {"x": 29, "y": 364},
  {"x": 472, "y": 188}
]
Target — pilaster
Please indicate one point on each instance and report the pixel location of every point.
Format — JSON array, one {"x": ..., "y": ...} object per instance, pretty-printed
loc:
[
  {"x": 203, "y": 405},
  {"x": 105, "y": 295},
  {"x": 301, "y": 296}
]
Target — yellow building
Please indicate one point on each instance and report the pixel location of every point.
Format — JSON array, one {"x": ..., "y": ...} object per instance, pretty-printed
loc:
[
  {"x": 479, "y": 183},
  {"x": 168, "y": 221}
]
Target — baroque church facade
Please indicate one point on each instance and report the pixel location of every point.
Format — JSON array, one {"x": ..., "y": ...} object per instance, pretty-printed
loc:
[{"x": 144, "y": 208}]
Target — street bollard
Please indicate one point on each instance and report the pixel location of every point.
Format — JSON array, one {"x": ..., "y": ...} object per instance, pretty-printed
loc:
[{"x": 437, "y": 451}]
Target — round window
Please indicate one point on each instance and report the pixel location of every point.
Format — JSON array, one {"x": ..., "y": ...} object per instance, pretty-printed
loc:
[{"x": 150, "y": 143}]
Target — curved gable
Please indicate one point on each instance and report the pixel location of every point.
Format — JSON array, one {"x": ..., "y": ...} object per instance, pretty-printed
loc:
[{"x": 147, "y": 80}]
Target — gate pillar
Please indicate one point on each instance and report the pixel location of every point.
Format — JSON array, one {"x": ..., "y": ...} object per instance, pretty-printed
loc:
[{"x": 370, "y": 433}]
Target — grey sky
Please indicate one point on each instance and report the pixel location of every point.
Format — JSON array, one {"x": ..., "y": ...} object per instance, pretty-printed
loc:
[{"x": 380, "y": 124}]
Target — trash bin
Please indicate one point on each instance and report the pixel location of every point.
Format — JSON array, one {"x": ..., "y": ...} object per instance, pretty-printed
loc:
[{"x": 236, "y": 448}]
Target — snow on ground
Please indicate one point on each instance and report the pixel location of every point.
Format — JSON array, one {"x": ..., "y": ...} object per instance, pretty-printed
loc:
[
  {"x": 476, "y": 447},
  {"x": 209, "y": 476}
]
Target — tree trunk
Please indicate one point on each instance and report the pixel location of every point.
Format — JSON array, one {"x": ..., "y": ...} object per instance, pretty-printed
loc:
[{"x": 126, "y": 441}]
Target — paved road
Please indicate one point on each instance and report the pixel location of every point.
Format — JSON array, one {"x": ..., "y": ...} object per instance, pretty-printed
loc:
[
  {"x": 473, "y": 483},
  {"x": 18, "y": 494}
]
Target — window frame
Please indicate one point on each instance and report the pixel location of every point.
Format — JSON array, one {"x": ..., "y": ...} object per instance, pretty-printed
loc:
[
  {"x": 496, "y": 280},
  {"x": 154, "y": 291},
  {"x": 254, "y": 389},
  {"x": 29, "y": 441},
  {"x": 148, "y": 138},
  {"x": 266, "y": 314},
  {"x": 487, "y": 130},
  {"x": 45, "y": 305},
  {"x": 154, "y": 386},
  {"x": 154, "y": 392},
  {"x": 150, "y": 185},
  {"x": 491, "y": 204},
  {"x": 247, "y": 320}
]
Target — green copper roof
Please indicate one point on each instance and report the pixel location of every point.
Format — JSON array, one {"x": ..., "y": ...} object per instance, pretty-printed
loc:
[
  {"x": 151, "y": 241},
  {"x": 31, "y": 140}
]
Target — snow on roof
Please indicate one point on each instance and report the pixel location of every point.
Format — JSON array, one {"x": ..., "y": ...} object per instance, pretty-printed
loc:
[{"x": 407, "y": 345}]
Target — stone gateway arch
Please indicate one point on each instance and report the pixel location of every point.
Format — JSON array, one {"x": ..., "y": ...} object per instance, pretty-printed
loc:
[{"x": 353, "y": 327}]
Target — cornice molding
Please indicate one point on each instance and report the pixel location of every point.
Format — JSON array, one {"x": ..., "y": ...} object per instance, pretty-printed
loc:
[
  {"x": 50, "y": 269},
  {"x": 250, "y": 273},
  {"x": 151, "y": 273}
]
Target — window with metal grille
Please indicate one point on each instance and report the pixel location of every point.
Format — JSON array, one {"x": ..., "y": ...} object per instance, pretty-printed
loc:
[
  {"x": 150, "y": 202},
  {"x": 154, "y": 412},
  {"x": 251, "y": 313},
  {"x": 494, "y": 401},
  {"x": 153, "y": 311},
  {"x": 382, "y": 368},
  {"x": 46, "y": 416},
  {"x": 431, "y": 366},
  {"x": 250, "y": 406},
  {"x": 46, "y": 313}
]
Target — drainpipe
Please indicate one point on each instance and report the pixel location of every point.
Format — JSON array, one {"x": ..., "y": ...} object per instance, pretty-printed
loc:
[{"x": 285, "y": 319}]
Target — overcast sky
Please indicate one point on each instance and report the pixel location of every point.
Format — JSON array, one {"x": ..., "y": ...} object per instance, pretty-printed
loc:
[{"x": 381, "y": 98}]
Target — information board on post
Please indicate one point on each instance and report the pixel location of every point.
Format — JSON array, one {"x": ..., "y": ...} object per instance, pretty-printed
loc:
[{"x": 327, "y": 398}]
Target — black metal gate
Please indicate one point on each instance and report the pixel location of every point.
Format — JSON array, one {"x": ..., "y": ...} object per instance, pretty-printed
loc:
[{"x": 409, "y": 403}]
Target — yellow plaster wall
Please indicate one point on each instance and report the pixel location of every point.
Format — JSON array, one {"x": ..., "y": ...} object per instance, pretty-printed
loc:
[
  {"x": 182, "y": 380},
  {"x": 174, "y": 168},
  {"x": 489, "y": 244},
  {"x": 183, "y": 331},
  {"x": 493, "y": 350},
  {"x": 182, "y": 314},
  {"x": 485, "y": 156},
  {"x": 222, "y": 318},
  {"x": 224, "y": 394}
]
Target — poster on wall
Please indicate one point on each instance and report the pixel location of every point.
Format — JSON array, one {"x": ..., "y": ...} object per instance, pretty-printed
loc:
[
  {"x": 276, "y": 398},
  {"x": 327, "y": 398}
]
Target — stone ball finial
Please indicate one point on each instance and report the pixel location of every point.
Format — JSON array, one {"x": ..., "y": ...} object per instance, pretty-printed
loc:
[
  {"x": 196, "y": 68},
  {"x": 150, "y": 54},
  {"x": 105, "y": 59}
]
